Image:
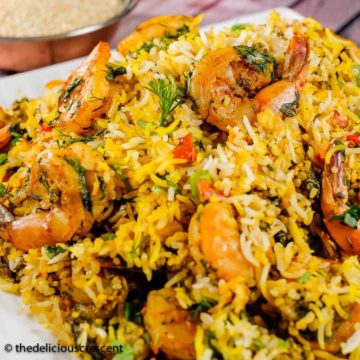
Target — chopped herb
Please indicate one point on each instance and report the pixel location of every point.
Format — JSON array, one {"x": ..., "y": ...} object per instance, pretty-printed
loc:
[
  {"x": 144, "y": 124},
  {"x": 357, "y": 67},
  {"x": 3, "y": 159},
  {"x": 3, "y": 190},
  {"x": 179, "y": 32},
  {"x": 211, "y": 336},
  {"x": 238, "y": 27},
  {"x": 200, "y": 144},
  {"x": 290, "y": 109},
  {"x": 113, "y": 72},
  {"x": 146, "y": 47},
  {"x": 103, "y": 187},
  {"x": 132, "y": 312},
  {"x": 260, "y": 61},
  {"x": 155, "y": 189},
  {"x": 304, "y": 279},
  {"x": 72, "y": 86},
  {"x": 147, "y": 338},
  {"x": 169, "y": 95},
  {"x": 85, "y": 196},
  {"x": 170, "y": 182},
  {"x": 281, "y": 237},
  {"x": 123, "y": 178},
  {"x": 109, "y": 236},
  {"x": 350, "y": 217},
  {"x": 52, "y": 251},
  {"x": 194, "y": 178},
  {"x": 15, "y": 136},
  {"x": 126, "y": 352},
  {"x": 204, "y": 305},
  {"x": 203, "y": 263},
  {"x": 257, "y": 344},
  {"x": 283, "y": 344}
]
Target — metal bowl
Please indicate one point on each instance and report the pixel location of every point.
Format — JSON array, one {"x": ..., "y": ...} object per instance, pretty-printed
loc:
[{"x": 25, "y": 53}]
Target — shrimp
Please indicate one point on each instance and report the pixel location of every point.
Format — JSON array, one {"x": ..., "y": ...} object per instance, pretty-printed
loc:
[
  {"x": 64, "y": 182},
  {"x": 48, "y": 227},
  {"x": 156, "y": 27},
  {"x": 87, "y": 93},
  {"x": 169, "y": 326},
  {"x": 234, "y": 82},
  {"x": 5, "y": 136},
  {"x": 215, "y": 232},
  {"x": 334, "y": 199}
]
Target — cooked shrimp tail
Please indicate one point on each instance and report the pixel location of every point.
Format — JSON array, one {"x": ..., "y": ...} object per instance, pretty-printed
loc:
[{"x": 87, "y": 93}]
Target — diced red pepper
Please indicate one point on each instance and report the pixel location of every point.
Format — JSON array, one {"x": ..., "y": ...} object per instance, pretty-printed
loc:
[
  {"x": 206, "y": 191},
  {"x": 339, "y": 120},
  {"x": 355, "y": 138},
  {"x": 47, "y": 128},
  {"x": 185, "y": 150}
]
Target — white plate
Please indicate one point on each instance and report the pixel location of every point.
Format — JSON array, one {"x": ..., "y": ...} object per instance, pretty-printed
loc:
[{"x": 17, "y": 327}]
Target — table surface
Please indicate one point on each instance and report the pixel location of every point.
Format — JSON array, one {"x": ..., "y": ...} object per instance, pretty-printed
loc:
[{"x": 343, "y": 16}]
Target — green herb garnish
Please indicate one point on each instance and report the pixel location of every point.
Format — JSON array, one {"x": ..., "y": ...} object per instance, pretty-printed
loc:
[
  {"x": 132, "y": 312},
  {"x": 3, "y": 159},
  {"x": 290, "y": 109},
  {"x": 109, "y": 236},
  {"x": 113, "y": 72},
  {"x": 283, "y": 344},
  {"x": 3, "y": 190},
  {"x": 103, "y": 187},
  {"x": 204, "y": 305},
  {"x": 85, "y": 196},
  {"x": 72, "y": 86},
  {"x": 123, "y": 178},
  {"x": 350, "y": 217},
  {"x": 238, "y": 27},
  {"x": 170, "y": 96},
  {"x": 260, "y": 61},
  {"x": 146, "y": 47},
  {"x": 357, "y": 67},
  {"x": 52, "y": 251},
  {"x": 304, "y": 279}
]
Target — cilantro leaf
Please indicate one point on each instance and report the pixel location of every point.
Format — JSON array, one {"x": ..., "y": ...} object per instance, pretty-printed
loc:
[
  {"x": 113, "y": 72},
  {"x": 290, "y": 109},
  {"x": 52, "y": 251},
  {"x": 3, "y": 190},
  {"x": 238, "y": 27},
  {"x": 260, "y": 61},
  {"x": 3, "y": 159},
  {"x": 357, "y": 67},
  {"x": 204, "y": 305},
  {"x": 85, "y": 196},
  {"x": 350, "y": 217},
  {"x": 304, "y": 279}
]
